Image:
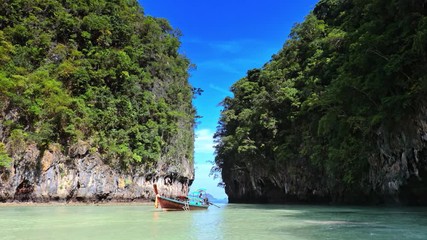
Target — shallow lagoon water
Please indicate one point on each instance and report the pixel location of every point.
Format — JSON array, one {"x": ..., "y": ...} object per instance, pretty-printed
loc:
[{"x": 231, "y": 221}]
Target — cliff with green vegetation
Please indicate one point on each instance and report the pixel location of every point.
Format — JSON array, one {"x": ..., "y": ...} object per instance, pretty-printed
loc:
[
  {"x": 339, "y": 114},
  {"x": 95, "y": 102}
]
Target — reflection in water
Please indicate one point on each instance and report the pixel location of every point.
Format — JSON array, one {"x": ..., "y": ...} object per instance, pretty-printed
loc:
[
  {"x": 207, "y": 224},
  {"x": 328, "y": 222},
  {"x": 155, "y": 216},
  {"x": 226, "y": 223},
  {"x": 155, "y": 228}
]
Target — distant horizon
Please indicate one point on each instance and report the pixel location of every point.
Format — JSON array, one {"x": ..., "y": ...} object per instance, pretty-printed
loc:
[{"x": 224, "y": 40}]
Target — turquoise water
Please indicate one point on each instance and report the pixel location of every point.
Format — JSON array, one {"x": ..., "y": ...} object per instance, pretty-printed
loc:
[{"x": 231, "y": 221}]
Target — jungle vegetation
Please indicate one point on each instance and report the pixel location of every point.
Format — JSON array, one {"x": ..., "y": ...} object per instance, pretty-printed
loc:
[
  {"x": 97, "y": 71},
  {"x": 351, "y": 68}
]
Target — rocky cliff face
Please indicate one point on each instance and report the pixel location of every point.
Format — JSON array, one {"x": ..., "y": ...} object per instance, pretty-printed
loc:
[
  {"x": 292, "y": 183},
  {"x": 80, "y": 174},
  {"x": 397, "y": 174},
  {"x": 98, "y": 108},
  {"x": 50, "y": 175}
]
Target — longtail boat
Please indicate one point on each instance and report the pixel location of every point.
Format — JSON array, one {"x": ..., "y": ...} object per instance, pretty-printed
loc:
[{"x": 195, "y": 201}]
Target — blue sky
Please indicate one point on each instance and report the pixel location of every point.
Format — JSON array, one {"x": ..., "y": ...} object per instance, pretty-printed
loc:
[{"x": 225, "y": 39}]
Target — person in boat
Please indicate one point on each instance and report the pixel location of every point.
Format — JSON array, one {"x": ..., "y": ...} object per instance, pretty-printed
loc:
[{"x": 203, "y": 199}]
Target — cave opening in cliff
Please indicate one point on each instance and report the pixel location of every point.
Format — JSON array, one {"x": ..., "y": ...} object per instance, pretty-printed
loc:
[{"x": 24, "y": 191}]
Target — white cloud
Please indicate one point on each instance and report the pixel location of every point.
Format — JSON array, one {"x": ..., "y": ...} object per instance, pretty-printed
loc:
[
  {"x": 219, "y": 66},
  {"x": 226, "y": 46},
  {"x": 235, "y": 66},
  {"x": 204, "y": 141},
  {"x": 219, "y": 89},
  {"x": 233, "y": 46},
  {"x": 204, "y": 180}
]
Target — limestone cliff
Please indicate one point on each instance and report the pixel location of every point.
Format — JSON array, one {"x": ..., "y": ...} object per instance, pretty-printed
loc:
[
  {"x": 81, "y": 174},
  {"x": 95, "y": 103},
  {"x": 51, "y": 175},
  {"x": 397, "y": 174},
  {"x": 399, "y": 170},
  {"x": 337, "y": 115}
]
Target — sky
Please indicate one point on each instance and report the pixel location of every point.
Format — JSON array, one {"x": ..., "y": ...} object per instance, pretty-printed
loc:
[{"x": 224, "y": 39}]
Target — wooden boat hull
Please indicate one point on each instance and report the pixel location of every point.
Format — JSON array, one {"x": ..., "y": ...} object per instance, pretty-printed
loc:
[
  {"x": 182, "y": 204},
  {"x": 169, "y": 204}
]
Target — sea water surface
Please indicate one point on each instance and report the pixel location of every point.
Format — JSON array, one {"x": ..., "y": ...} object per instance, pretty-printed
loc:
[{"x": 230, "y": 221}]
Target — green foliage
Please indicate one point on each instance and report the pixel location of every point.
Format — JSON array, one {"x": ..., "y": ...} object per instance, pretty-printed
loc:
[
  {"x": 348, "y": 69},
  {"x": 5, "y": 159},
  {"x": 99, "y": 71}
]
